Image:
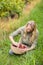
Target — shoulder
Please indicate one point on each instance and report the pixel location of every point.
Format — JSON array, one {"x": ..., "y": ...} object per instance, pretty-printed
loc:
[
  {"x": 37, "y": 32},
  {"x": 22, "y": 28}
]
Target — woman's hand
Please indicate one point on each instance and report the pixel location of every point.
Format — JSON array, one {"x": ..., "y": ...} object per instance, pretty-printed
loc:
[
  {"x": 12, "y": 40},
  {"x": 25, "y": 50},
  {"x": 28, "y": 49},
  {"x": 23, "y": 47}
]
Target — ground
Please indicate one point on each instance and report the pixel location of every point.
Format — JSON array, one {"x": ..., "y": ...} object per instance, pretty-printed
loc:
[{"x": 34, "y": 57}]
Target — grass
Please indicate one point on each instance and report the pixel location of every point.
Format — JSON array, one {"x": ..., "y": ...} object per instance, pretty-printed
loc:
[{"x": 34, "y": 57}]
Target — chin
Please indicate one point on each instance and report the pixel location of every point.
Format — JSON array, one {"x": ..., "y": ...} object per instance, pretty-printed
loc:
[{"x": 28, "y": 31}]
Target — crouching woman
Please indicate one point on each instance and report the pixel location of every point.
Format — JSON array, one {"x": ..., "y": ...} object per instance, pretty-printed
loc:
[{"x": 29, "y": 35}]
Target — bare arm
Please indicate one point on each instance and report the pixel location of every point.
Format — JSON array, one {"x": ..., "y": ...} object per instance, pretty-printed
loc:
[
  {"x": 34, "y": 44},
  {"x": 32, "y": 47},
  {"x": 14, "y": 34}
]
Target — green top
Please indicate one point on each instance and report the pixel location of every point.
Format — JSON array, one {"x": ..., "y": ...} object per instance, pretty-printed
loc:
[{"x": 26, "y": 39}]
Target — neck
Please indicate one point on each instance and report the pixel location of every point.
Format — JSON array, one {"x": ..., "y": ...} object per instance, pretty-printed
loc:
[{"x": 30, "y": 32}]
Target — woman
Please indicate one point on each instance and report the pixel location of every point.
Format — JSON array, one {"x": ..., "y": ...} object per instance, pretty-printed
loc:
[{"x": 29, "y": 36}]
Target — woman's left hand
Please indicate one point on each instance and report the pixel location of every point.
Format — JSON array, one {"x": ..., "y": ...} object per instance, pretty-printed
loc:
[{"x": 25, "y": 50}]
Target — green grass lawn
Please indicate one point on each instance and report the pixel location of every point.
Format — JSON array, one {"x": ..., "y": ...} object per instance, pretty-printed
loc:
[{"x": 34, "y": 57}]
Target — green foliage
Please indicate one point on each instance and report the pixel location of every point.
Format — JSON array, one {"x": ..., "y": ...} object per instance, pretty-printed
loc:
[
  {"x": 9, "y": 7},
  {"x": 15, "y": 6}
]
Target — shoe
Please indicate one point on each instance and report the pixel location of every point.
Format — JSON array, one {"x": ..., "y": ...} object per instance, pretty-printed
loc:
[{"x": 11, "y": 52}]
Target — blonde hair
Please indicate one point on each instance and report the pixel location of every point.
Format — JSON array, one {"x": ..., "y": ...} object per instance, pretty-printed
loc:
[{"x": 33, "y": 36}]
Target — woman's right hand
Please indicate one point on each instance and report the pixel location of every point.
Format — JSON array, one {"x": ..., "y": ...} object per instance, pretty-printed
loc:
[
  {"x": 15, "y": 43},
  {"x": 12, "y": 40}
]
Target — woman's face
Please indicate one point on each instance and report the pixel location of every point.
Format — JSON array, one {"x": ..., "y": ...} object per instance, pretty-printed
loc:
[{"x": 28, "y": 28}]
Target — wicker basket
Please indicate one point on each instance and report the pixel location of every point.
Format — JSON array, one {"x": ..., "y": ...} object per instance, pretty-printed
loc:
[{"x": 17, "y": 50}]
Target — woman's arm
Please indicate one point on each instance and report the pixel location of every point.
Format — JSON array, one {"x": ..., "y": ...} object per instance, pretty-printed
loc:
[
  {"x": 35, "y": 41},
  {"x": 33, "y": 44},
  {"x": 32, "y": 47},
  {"x": 14, "y": 34}
]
